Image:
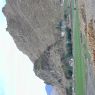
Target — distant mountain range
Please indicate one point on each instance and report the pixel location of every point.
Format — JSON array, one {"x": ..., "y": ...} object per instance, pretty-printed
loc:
[{"x": 49, "y": 89}]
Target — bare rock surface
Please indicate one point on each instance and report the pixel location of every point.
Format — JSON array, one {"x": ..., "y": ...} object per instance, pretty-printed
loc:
[{"x": 32, "y": 24}]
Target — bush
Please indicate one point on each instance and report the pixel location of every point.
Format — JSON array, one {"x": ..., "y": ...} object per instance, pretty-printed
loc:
[
  {"x": 68, "y": 71},
  {"x": 69, "y": 90}
]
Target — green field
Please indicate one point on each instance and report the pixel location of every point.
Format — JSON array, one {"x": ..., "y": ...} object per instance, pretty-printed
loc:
[
  {"x": 77, "y": 53},
  {"x": 78, "y": 50}
]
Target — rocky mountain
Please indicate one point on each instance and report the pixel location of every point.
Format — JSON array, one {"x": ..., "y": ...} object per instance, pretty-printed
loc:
[
  {"x": 37, "y": 29},
  {"x": 33, "y": 26}
]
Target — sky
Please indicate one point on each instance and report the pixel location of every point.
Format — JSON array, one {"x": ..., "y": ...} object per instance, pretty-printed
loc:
[{"x": 16, "y": 70}]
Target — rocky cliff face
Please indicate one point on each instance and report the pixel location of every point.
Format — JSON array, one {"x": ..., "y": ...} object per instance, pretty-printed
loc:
[{"x": 32, "y": 24}]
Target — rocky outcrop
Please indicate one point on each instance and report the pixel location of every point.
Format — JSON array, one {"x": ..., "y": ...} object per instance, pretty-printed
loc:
[{"x": 32, "y": 24}]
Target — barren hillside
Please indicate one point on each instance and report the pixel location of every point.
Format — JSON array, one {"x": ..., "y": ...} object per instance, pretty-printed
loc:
[{"x": 37, "y": 27}]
